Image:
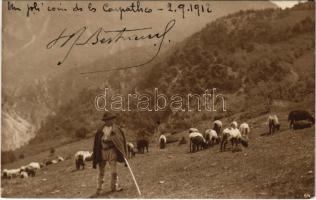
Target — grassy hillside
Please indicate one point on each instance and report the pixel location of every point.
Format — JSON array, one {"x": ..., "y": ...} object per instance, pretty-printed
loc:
[
  {"x": 278, "y": 166},
  {"x": 258, "y": 59}
]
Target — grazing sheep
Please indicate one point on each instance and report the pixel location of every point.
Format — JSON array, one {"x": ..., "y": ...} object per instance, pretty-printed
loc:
[
  {"x": 217, "y": 126},
  {"x": 197, "y": 141},
  {"x": 142, "y": 144},
  {"x": 274, "y": 124},
  {"x": 234, "y": 125},
  {"x": 234, "y": 136},
  {"x": 244, "y": 130},
  {"x": 60, "y": 159},
  {"x": 211, "y": 137},
  {"x": 191, "y": 130},
  {"x": 49, "y": 162},
  {"x": 24, "y": 174},
  {"x": 54, "y": 161},
  {"x": 34, "y": 165},
  {"x": 11, "y": 173},
  {"x": 162, "y": 141},
  {"x": 298, "y": 115},
  {"x": 130, "y": 150},
  {"x": 81, "y": 157},
  {"x": 302, "y": 124}
]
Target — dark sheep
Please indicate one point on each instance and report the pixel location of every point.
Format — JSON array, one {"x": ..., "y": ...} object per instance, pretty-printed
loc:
[
  {"x": 80, "y": 162},
  {"x": 197, "y": 143},
  {"x": 142, "y": 144},
  {"x": 302, "y": 124},
  {"x": 298, "y": 115}
]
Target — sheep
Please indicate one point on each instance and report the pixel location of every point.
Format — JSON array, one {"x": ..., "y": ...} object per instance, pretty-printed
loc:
[
  {"x": 211, "y": 137},
  {"x": 273, "y": 123},
  {"x": 11, "y": 173},
  {"x": 81, "y": 157},
  {"x": 130, "y": 150},
  {"x": 234, "y": 136},
  {"x": 34, "y": 165},
  {"x": 54, "y": 161},
  {"x": 142, "y": 144},
  {"x": 234, "y": 124},
  {"x": 298, "y": 115},
  {"x": 244, "y": 130},
  {"x": 24, "y": 174},
  {"x": 60, "y": 159},
  {"x": 162, "y": 141},
  {"x": 217, "y": 126},
  {"x": 197, "y": 141},
  {"x": 191, "y": 130}
]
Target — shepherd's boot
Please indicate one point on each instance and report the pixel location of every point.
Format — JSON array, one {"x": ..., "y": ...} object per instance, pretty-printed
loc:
[{"x": 114, "y": 183}]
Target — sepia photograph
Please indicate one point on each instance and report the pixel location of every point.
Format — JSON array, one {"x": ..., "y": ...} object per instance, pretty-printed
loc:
[{"x": 211, "y": 99}]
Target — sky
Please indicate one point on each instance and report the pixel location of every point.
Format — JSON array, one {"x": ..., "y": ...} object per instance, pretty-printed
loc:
[{"x": 285, "y": 4}]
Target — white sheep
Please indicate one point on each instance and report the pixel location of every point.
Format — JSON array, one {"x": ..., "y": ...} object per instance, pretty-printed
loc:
[
  {"x": 211, "y": 137},
  {"x": 11, "y": 173},
  {"x": 234, "y": 136},
  {"x": 24, "y": 174},
  {"x": 192, "y": 130},
  {"x": 244, "y": 130},
  {"x": 273, "y": 123},
  {"x": 234, "y": 124},
  {"x": 81, "y": 157},
  {"x": 60, "y": 159},
  {"x": 131, "y": 150},
  {"x": 34, "y": 165},
  {"x": 217, "y": 126},
  {"x": 162, "y": 141}
]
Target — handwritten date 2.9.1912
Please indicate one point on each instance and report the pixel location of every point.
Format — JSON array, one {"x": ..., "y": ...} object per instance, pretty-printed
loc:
[{"x": 194, "y": 8}]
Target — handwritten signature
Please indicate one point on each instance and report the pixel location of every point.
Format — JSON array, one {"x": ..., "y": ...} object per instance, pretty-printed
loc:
[{"x": 106, "y": 37}]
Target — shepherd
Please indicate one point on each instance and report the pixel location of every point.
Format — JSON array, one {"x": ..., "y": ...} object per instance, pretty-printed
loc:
[{"x": 109, "y": 146}]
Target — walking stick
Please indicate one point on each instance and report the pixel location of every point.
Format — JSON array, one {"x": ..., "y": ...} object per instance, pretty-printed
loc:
[{"x": 130, "y": 170}]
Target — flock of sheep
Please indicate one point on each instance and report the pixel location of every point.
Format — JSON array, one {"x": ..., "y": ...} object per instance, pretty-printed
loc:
[
  {"x": 28, "y": 170},
  {"x": 198, "y": 141},
  {"x": 213, "y": 136}
]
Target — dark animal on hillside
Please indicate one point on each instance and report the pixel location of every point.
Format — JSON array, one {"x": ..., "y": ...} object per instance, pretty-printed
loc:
[
  {"x": 298, "y": 115},
  {"x": 130, "y": 150},
  {"x": 197, "y": 143},
  {"x": 49, "y": 162},
  {"x": 79, "y": 161},
  {"x": 273, "y": 123},
  {"x": 30, "y": 171},
  {"x": 302, "y": 124},
  {"x": 142, "y": 144}
]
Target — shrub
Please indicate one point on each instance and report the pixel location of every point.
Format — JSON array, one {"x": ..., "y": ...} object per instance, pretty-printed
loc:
[
  {"x": 7, "y": 157},
  {"x": 81, "y": 132},
  {"x": 21, "y": 156},
  {"x": 52, "y": 150}
]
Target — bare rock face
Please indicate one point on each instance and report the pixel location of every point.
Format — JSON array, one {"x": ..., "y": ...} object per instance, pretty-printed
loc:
[{"x": 16, "y": 131}]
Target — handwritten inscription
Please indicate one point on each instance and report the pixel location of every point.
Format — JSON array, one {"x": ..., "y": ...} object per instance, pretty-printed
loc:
[
  {"x": 107, "y": 37},
  {"x": 68, "y": 39},
  {"x": 198, "y": 8}
]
